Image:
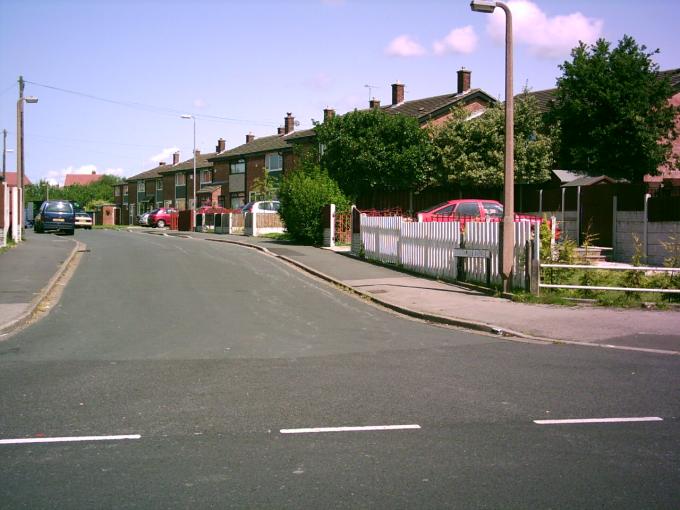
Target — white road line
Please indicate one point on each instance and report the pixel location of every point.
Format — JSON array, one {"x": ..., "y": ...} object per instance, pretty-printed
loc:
[
  {"x": 66, "y": 439},
  {"x": 348, "y": 429},
  {"x": 597, "y": 420}
]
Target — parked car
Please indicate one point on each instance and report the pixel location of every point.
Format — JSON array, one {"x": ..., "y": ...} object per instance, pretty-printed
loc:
[
  {"x": 262, "y": 206},
  {"x": 55, "y": 215},
  {"x": 161, "y": 217},
  {"x": 469, "y": 209},
  {"x": 83, "y": 220}
]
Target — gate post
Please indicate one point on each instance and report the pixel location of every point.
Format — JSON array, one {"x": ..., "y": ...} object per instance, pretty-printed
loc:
[
  {"x": 328, "y": 223},
  {"x": 356, "y": 230}
]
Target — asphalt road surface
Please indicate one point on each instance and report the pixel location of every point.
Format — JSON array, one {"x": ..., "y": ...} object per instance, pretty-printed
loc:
[{"x": 180, "y": 373}]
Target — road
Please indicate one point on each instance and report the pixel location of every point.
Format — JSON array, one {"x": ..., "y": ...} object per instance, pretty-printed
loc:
[{"x": 202, "y": 353}]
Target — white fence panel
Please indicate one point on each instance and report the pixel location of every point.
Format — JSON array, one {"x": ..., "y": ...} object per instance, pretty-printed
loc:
[
  {"x": 482, "y": 236},
  {"x": 428, "y": 247},
  {"x": 380, "y": 237}
]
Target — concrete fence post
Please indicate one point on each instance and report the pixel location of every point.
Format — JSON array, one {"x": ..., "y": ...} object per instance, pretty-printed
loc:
[
  {"x": 645, "y": 230},
  {"x": 356, "y": 230},
  {"x": 615, "y": 207},
  {"x": 578, "y": 215},
  {"x": 328, "y": 223}
]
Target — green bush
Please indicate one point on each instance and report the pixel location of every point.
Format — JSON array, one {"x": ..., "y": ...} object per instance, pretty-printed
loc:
[{"x": 302, "y": 194}]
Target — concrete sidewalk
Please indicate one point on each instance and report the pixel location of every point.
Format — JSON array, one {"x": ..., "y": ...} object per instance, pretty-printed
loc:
[
  {"x": 27, "y": 273},
  {"x": 653, "y": 330}
]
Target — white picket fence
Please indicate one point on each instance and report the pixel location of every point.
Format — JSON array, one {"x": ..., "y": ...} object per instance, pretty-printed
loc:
[{"x": 428, "y": 248}]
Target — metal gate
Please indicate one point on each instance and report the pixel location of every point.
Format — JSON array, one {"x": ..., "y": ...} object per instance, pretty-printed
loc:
[{"x": 343, "y": 228}]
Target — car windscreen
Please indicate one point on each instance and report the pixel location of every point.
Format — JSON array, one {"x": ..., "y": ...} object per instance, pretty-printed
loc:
[
  {"x": 430, "y": 209},
  {"x": 59, "y": 207}
]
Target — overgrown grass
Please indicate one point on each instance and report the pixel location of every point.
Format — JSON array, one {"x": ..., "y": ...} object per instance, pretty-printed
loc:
[{"x": 279, "y": 236}]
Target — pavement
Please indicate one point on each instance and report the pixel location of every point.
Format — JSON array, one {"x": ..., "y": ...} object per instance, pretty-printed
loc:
[
  {"x": 28, "y": 272},
  {"x": 30, "y": 267}
]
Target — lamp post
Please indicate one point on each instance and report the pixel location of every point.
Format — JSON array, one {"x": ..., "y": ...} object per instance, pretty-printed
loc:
[
  {"x": 508, "y": 233},
  {"x": 193, "y": 208},
  {"x": 20, "y": 152}
]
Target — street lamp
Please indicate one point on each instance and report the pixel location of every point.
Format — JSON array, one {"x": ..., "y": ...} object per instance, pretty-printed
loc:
[
  {"x": 20, "y": 152},
  {"x": 193, "y": 208},
  {"x": 508, "y": 233}
]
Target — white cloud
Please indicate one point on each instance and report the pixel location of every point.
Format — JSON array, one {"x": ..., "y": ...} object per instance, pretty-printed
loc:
[
  {"x": 405, "y": 46},
  {"x": 56, "y": 177},
  {"x": 460, "y": 40},
  {"x": 546, "y": 36},
  {"x": 200, "y": 103},
  {"x": 120, "y": 172},
  {"x": 164, "y": 154}
]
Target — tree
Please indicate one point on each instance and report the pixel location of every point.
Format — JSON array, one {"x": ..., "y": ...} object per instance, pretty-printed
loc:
[
  {"x": 303, "y": 193},
  {"x": 96, "y": 192},
  {"x": 371, "y": 150},
  {"x": 613, "y": 111},
  {"x": 470, "y": 151}
]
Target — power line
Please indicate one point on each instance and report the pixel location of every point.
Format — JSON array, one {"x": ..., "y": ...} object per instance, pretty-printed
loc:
[
  {"x": 105, "y": 142},
  {"x": 8, "y": 89},
  {"x": 150, "y": 108}
]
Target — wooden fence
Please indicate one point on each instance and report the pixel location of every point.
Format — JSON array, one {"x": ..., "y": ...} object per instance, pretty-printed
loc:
[{"x": 430, "y": 248}]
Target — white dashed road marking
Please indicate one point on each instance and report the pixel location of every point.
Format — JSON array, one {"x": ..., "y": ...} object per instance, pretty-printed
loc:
[
  {"x": 67, "y": 439},
  {"x": 348, "y": 429},
  {"x": 597, "y": 420}
]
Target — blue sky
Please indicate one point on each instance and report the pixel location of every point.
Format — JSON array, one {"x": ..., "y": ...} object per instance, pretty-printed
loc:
[{"x": 240, "y": 66}]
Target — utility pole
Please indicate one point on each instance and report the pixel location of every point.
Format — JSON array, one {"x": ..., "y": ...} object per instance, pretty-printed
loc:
[{"x": 20, "y": 157}]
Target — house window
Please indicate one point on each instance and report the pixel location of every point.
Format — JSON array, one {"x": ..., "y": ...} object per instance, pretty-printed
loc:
[
  {"x": 159, "y": 184},
  {"x": 125, "y": 194},
  {"x": 180, "y": 180},
  {"x": 220, "y": 201},
  {"x": 116, "y": 191},
  {"x": 237, "y": 199},
  {"x": 239, "y": 167},
  {"x": 273, "y": 162},
  {"x": 141, "y": 191},
  {"x": 206, "y": 177}
]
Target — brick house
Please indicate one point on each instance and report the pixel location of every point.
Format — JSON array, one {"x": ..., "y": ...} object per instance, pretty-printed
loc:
[
  {"x": 237, "y": 169},
  {"x": 178, "y": 181}
]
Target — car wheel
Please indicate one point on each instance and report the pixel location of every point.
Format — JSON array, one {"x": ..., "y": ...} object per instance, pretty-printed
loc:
[
  {"x": 69, "y": 232},
  {"x": 37, "y": 230},
  {"x": 160, "y": 224}
]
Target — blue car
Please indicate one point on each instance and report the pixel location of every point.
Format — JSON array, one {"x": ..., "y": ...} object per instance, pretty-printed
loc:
[{"x": 55, "y": 215}]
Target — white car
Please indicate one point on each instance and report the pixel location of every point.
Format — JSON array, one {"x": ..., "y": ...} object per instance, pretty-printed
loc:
[
  {"x": 264, "y": 206},
  {"x": 83, "y": 220}
]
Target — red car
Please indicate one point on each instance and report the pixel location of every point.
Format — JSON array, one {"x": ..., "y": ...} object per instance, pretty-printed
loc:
[
  {"x": 161, "y": 217},
  {"x": 470, "y": 209}
]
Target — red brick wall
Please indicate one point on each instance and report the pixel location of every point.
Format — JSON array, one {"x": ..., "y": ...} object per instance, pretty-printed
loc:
[
  {"x": 254, "y": 170},
  {"x": 470, "y": 107},
  {"x": 169, "y": 187}
]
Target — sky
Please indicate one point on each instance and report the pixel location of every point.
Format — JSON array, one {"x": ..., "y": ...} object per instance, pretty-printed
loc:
[{"x": 113, "y": 76}]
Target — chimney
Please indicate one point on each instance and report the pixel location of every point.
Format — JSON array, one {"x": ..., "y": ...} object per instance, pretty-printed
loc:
[
  {"x": 397, "y": 93},
  {"x": 221, "y": 145},
  {"x": 94, "y": 172},
  {"x": 197, "y": 152},
  {"x": 374, "y": 104},
  {"x": 463, "y": 80},
  {"x": 175, "y": 158},
  {"x": 289, "y": 123},
  {"x": 280, "y": 130},
  {"x": 328, "y": 114},
  {"x": 250, "y": 137}
]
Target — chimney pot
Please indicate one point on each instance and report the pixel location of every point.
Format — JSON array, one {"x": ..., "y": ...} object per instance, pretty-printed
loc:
[
  {"x": 397, "y": 93},
  {"x": 94, "y": 172},
  {"x": 175, "y": 158},
  {"x": 328, "y": 114},
  {"x": 161, "y": 163},
  {"x": 221, "y": 145},
  {"x": 464, "y": 80},
  {"x": 374, "y": 104},
  {"x": 288, "y": 123},
  {"x": 250, "y": 137},
  {"x": 280, "y": 130}
]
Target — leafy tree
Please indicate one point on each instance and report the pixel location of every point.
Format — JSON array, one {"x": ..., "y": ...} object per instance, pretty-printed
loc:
[
  {"x": 613, "y": 111},
  {"x": 266, "y": 186},
  {"x": 371, "y": 150},
  {"x": 470, "y": 152},
  {"x": 303, "y": 193},
  {"x": 86, "y": 196}
]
